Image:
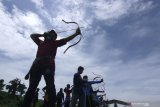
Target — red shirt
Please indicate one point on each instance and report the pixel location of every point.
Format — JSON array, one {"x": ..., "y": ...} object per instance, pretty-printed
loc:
[
  {"x": 68, "y": 92},
  {"x": 48, "y": 48}
]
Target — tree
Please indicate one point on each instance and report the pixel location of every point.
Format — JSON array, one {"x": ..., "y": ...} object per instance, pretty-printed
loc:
[
  {"x": 12, "y": 88},
  {"x": 9, "y": 88},
  {"x": 1, "y": 84},
  {"x": 21, "y": 89}
]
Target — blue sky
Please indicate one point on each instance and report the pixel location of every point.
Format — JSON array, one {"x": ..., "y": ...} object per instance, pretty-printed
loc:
[{"x": 121, "y": 42}]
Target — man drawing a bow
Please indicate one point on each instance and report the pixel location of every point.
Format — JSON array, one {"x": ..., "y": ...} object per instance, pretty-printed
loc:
[{"x": 44, "y": 64}]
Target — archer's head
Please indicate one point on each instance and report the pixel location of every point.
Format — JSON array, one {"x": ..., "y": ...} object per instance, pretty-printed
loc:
[
  {"x": 50, "y": 35},
  {"x": 85, "y": 77},
  {"x": 68, "y": 85},
  {"x": 80, "y": 69},
  {"x": 61, "y": 89}
]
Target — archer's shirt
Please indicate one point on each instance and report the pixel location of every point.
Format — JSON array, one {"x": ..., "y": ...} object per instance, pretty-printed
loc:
[
  {"x": 68, "y": 92},
  {"x": 48, "y": 49},
  {"x": 78, "y": 83},
  {"x": 87, "y": 88}
]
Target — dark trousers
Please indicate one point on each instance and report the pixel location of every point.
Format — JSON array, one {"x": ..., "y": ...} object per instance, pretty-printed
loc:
[
  {"x": 89, "y": 102},
  {"x": 45, "y": 104},
  {"x": 59, "y": 104},
  {"x": 34, "y": 103},
  {"x": 67, "y": 103},
  {"x": 75, "y": 97},
  {"x": 36, "y": 72}
]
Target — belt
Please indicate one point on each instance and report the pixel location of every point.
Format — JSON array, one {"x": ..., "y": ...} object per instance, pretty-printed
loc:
[{"x": 44, "y": 57}]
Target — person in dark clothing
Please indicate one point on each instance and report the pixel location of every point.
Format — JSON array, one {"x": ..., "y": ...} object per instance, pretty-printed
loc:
[
  {"x": 60, "y": 98},
  {"x": 44, "y": 64},
  {"x": 35, "y": 99},
  {"x": 88, "y": 91},
  {"x": 68, "y": 92},
  {"x": 77, "y": 92}
]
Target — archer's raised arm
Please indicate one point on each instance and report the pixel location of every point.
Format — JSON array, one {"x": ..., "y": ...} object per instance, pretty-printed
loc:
[
  {"x": 35, "y": 37},
  {"x": 95, "y": 82},
  {"x": 78, "y": 32}
]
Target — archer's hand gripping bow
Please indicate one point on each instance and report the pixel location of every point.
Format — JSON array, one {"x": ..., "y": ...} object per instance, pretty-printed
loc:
[{"x": 79, "y": 38}]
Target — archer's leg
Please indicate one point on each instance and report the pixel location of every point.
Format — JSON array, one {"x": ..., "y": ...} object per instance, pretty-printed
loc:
[
  {"x": 74, "y": 99},
  {"x": 34, "y": 81},
  {"x": 82, "y": 100},
  {"x": 49, "y": 79}
]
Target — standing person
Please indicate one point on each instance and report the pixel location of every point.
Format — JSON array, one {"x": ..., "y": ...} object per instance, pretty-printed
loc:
[
  {"x": 77, "y": 92},
  {"x": 68, "y": 92},
  {"x": 35, "y": 99},
  {"x": 60, "y": 97},
  {"x": 88, "y": 90},
  {"x": 44, "y": 64}
]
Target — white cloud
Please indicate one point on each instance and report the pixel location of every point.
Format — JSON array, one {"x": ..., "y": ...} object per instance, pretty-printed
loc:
[
  {"x": 38, "y": 3},
  {"x": 70, "y": 10},
  {"x": 72, "y": 2},
  {"x": 134, "y": 79},
  {"x": 42, "y": 10},
  {"x": 112, "y": 10},
  {"x": 15, "y": 31},
  {"x": 140, "y": 28},
  {"x": 14, "y": 69}
]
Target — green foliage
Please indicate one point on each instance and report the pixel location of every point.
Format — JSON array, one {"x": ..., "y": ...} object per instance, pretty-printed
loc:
[
  {"x": 21, "y": 89},
  {"x": 15, "y": 86},
  {"x": 7, "y": 100},
  {"x": 1, "y": 84},
  {"x": 13, "y": 98}
]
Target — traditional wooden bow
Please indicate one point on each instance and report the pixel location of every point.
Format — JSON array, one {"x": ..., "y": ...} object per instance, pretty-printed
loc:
[{"x": 79, "y": 38}]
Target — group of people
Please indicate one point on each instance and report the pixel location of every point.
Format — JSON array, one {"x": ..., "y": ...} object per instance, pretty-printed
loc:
[
  {"x": 44, "y": 64},
  {"x": 81, "y": 90}
]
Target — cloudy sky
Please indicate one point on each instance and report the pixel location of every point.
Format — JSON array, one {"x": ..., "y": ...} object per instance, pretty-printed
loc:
[{"x": 121, "y": 43}]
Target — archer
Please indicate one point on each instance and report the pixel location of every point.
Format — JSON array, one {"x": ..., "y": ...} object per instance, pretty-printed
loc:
[{"x": 44, "y": 64}]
